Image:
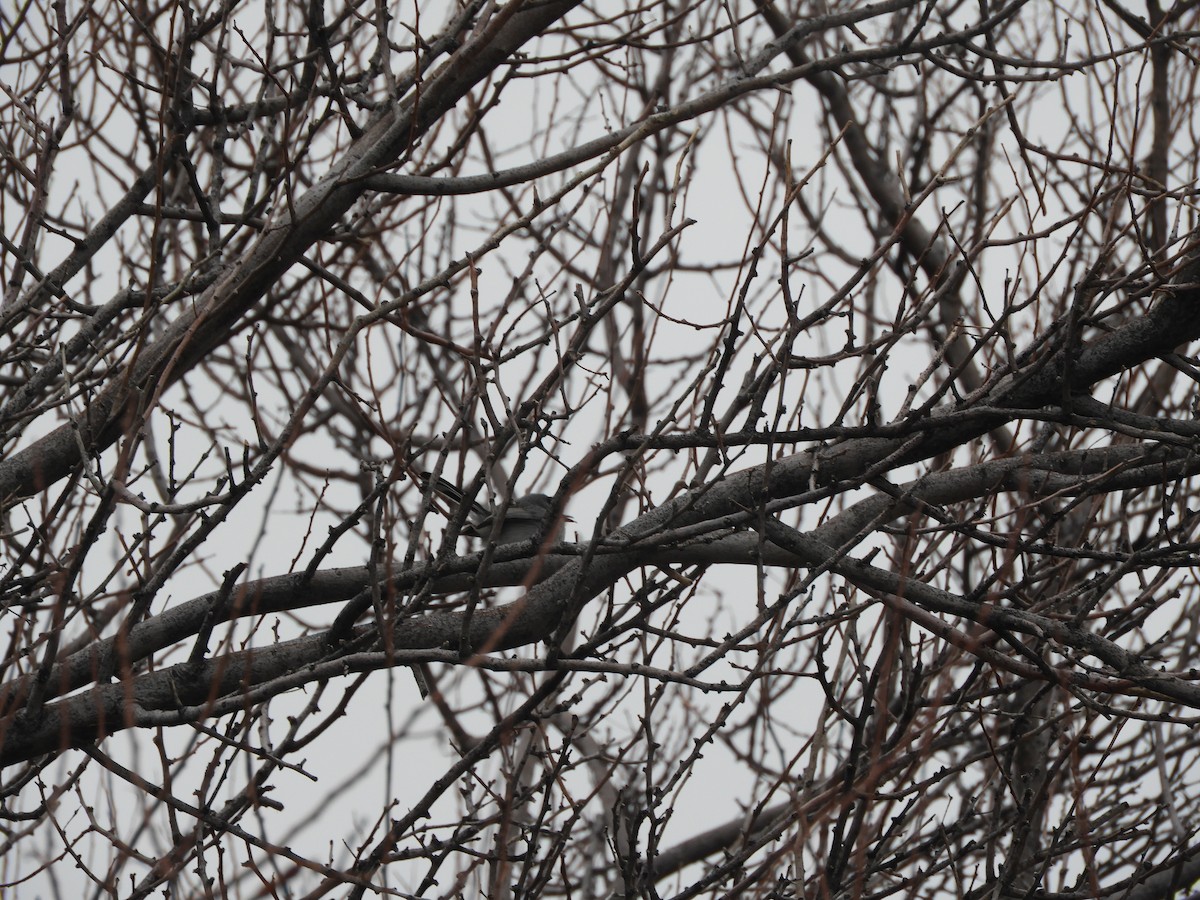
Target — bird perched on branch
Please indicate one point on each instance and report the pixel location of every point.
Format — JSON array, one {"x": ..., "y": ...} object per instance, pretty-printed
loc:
[{"x": 525, "y": 518}]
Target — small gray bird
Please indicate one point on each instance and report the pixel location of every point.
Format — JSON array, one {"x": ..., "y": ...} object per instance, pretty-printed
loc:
[{"x": 526, "y": 517}]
